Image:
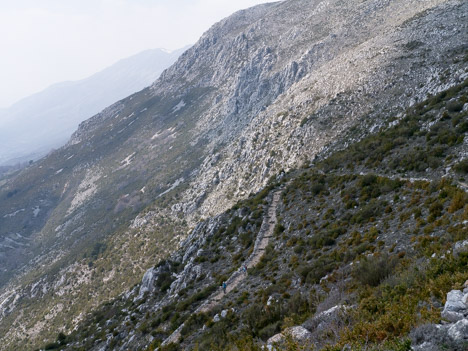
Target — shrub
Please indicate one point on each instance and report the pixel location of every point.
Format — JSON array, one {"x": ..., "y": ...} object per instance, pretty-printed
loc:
[
  {"x": 279, "y": 228},
  {"x": 369, "y": 211},
  {"x": 455, "y": 106},
  {"x": 98, "y": 249},
  {"x": 62, "y": 338},
  {"x": 436, "y": 336},
  {"x": 458, "y": 201},
  {"x": 371, "y": 271},
  {"x": 462, "y": 128},
  {"x": 194, "y": 322},
  {"x": 320, "y": 268},
  {"x": 317, "y": 188},
  {"x": 269, "y": 330},
  {"x": 170, "y": 347},
  {"x": 462, "y": 166},
  {"x": 164, "y": 281},
  {"x": 52, "y": 346},
  {"x": 368, "y": 179}
]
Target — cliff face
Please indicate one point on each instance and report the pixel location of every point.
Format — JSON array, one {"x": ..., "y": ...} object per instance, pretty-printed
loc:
[{"x": 264, "y": 90}]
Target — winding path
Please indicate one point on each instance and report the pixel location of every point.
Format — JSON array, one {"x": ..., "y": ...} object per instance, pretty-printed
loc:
[
  {"x": 263, "y": 238},
  {"x": 460, "y": 184},
  {"x": 261, "y": 242}
]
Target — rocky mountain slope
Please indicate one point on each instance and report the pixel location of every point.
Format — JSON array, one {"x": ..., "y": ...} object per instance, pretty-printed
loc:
[
  {"x": 359, "y": 250},
  {"x": 33, "y": 126},
  {"x": 266, "y": 90}
]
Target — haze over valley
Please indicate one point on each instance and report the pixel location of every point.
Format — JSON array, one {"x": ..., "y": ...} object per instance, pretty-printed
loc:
[{"x": 32, "y": 127}]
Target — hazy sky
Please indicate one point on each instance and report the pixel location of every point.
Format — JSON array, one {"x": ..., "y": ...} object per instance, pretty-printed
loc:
[{"x": 47, "y": 41}]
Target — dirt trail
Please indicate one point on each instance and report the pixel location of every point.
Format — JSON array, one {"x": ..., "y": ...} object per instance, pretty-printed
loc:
[
  {"x": 460, "y": 184},
  {"x": 263, "y": 238}
]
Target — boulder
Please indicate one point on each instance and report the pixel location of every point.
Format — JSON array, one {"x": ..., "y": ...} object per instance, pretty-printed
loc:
[
  {"x": 298, "y": 333},
  {"x": 455, "y": 308},
  {"x": 448, "y": 336},
  {"x": 459, "y": 247},
  {"x": 323, "y": 321},
  {"x": 147, "y": 283},
  {"x": 459, "y": 331}
]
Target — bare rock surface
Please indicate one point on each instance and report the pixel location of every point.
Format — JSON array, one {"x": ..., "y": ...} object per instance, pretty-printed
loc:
[{"x": 452, "y": 335}]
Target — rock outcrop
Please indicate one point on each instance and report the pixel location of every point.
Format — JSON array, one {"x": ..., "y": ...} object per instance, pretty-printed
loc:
[
  {"x": 452, "y": 335},
  {"x": 297, "y": 333},
  {"x": 456, "y": 307}
]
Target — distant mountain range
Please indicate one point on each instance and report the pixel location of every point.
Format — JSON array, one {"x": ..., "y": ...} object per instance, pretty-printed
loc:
[{"x": 33, "y": 126}]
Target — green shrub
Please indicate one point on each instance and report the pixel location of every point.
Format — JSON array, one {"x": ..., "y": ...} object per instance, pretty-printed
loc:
[
  {"x": 462, "y": 166},
  {"x": 458, "y": 201},
  {"x": 462, "y": 128},
  {"x": 52, "y": 346},
  {"x": 371, "y": 210},
  {"x": 455, "y": 106},
  {"x": 194, "y": 322},
  {"x": 371, "y": 271},
  {"x": 269, "y": 330},
  {"x": 164, "y": 281},
  {"x": 368, "y": 179},
  {"x": 321, "y": 267}
]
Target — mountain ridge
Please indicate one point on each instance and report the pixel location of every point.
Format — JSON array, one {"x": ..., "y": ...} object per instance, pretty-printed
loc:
[
  {"x": 262, "y": 91},
  {"x": 353, "y": 243},
  {"x": 66, "y": 104}
]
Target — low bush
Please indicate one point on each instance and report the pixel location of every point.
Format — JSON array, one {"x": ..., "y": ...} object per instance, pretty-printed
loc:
[
  {"x": 462, "y": 166},
  {"x": 371, "y": 271}
]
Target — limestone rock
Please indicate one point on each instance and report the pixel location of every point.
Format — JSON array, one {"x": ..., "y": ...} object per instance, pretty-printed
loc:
[
  {"x": 461, "y": 246},
  {"x": 455, "y": 308},
  {"x": 459, "y": 330},
  {"x": 297, "y": 333},
  {"x": 147, "y": 283},
  {"x": 451, "y": 336}
]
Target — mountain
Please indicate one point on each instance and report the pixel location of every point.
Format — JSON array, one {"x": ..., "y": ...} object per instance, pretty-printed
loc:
[
  {"x": 355, "y": 247},
  {"x": 262, "y": 93},
  {"x": 35, "y": 125}
]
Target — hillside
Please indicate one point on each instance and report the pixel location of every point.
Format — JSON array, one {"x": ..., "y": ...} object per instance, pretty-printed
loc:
[
  {"x": 32, "y": 127},
  {"x": 265, "y": 91},
  {"x": 361, "y": 246}
]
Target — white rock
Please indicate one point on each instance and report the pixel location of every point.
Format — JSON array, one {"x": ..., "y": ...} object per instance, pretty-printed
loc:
[
  {"x": 459, "y": 330},
  {"x": 298, "y": 333},
  {"x": 460, "y": 246},
  {"x": 147, "y": 283},
  {"x": 454, "y": 307}
]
